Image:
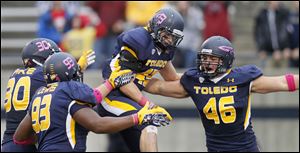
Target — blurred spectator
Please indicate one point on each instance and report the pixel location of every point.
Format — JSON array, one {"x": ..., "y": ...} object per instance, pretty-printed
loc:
[
  {"x": 193, "y": 19},
  {"x": 271, "y": 33},
  {"x": 44, "y": 6},
  {"x": 112, "y": 16},
  {"x": 138, "y": 13},
  {"x": 217, "y": 19},
  {"x": 81, "y": 37},
  {"x": 54, "y": 23},
  {"x": 70, "y": 6},
  {"x": 294, "y": 35}
]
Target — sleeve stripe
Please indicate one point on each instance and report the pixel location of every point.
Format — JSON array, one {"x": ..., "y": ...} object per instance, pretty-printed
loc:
[
  {"x": 130, "y": 51},
  {"x": 248, "y": 112},
  {"x": 70, "y": 126}
]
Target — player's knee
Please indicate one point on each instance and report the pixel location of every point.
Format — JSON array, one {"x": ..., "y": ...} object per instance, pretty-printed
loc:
[{"x": 150, "y": 129}]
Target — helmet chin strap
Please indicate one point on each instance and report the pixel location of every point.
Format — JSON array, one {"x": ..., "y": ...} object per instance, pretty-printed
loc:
[{"x": 36, "y": 62}]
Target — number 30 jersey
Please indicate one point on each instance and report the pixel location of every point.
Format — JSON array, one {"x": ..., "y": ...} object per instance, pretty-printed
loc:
[
  {"x": 224, "y": 106},
  {"x": 21, "y": 86}
]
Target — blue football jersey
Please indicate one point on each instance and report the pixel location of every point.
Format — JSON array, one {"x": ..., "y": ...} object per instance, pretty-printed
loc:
[
  {"x": 139, "y": 43},
  {"x": 51, "y": 111},
  {"x": 224, "y": 106},
  {"x": 21, "y": 86}
]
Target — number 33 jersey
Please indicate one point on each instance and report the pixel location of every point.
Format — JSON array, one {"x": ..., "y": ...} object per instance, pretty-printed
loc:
[{"x": 224, "y": 106}]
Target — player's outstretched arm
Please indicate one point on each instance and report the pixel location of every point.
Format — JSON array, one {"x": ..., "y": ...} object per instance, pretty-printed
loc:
[
  {"x": 169, "y": 72},
  {"x": 89, "y": 119},
  {"x": 265, "y": 84},
  {"x": 24, "y": 134},
  {"x": 166, "y": 88}
]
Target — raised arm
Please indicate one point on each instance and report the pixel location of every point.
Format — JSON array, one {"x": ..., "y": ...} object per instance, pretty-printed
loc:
[
  {"x": 87, "y": 58},
  {"x": 166, "y": 88},
  {"x": 265, "y": 84}
]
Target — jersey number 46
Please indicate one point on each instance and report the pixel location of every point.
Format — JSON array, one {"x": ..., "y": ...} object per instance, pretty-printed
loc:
[{"x": 227, "y": 113}]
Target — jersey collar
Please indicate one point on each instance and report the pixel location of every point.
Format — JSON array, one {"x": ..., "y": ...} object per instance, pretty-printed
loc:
[{"x": 217, "y": 79}]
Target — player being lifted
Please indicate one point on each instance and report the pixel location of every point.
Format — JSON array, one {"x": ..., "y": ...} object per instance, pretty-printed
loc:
[
  {"x": 222, "y": 94},
  {"x": 24, "y": 82},
  {"x": 145, "y": 51},
  {"x": 60, "y": 116}
]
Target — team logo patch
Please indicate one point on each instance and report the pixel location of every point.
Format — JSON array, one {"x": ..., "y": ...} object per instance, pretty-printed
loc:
[{"x": 161, "y": 18}]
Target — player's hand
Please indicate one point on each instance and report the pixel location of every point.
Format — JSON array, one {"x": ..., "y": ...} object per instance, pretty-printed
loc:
[
  {"x": 152, "y": 105},
  {"x": 87, "y": 58},
  {"x": 120, "y": 78},
  {"x": 156, "y": 116}
]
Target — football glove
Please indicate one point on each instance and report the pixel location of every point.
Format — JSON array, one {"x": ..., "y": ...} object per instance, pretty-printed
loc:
[
  {"x": 120, "y": 78},
  {"x": 156, "y": 116},
  {"x": 87, "y": 58}
]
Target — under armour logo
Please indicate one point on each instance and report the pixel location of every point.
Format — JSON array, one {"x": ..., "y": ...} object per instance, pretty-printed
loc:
[
  {"x": 153, "y": 51},
  {"x": 201, "y": 79},
  {"x": 230, "y": 80}
]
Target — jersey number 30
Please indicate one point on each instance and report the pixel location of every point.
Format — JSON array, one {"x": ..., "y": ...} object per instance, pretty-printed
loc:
[
  {"x": 228, "y": 113},
  {"x": 40, "y": 113},
  {"x": 16, "y": 90}
]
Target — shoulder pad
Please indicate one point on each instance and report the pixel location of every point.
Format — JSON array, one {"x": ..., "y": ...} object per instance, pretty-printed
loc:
[
  {"x": 139, "y": 40},
  {"x": 192, "y": 72},
  {"x": 249, "y": 72}
]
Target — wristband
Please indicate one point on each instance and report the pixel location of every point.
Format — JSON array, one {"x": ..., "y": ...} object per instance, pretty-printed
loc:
[
  {"x": 135, "y": 119},
  {"x": 291, "y": 82},
  {"x": 143, "y": 101},
  {"x": 108, "y": 86},
  {"x": 27, "y": 141},
  {"x": 98, "y": 95}
]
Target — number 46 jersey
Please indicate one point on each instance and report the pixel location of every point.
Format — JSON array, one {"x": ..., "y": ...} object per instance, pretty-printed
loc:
[{"x": 224, "y": 106}]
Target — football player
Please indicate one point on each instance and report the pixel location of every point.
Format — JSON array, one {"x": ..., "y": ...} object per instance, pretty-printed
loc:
[
  {"x": 60, "y": 116},
  {"x": 222, "y": 94},
  {"x": 24, "y": 82},
  {"x": 145, "y": 51}
]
